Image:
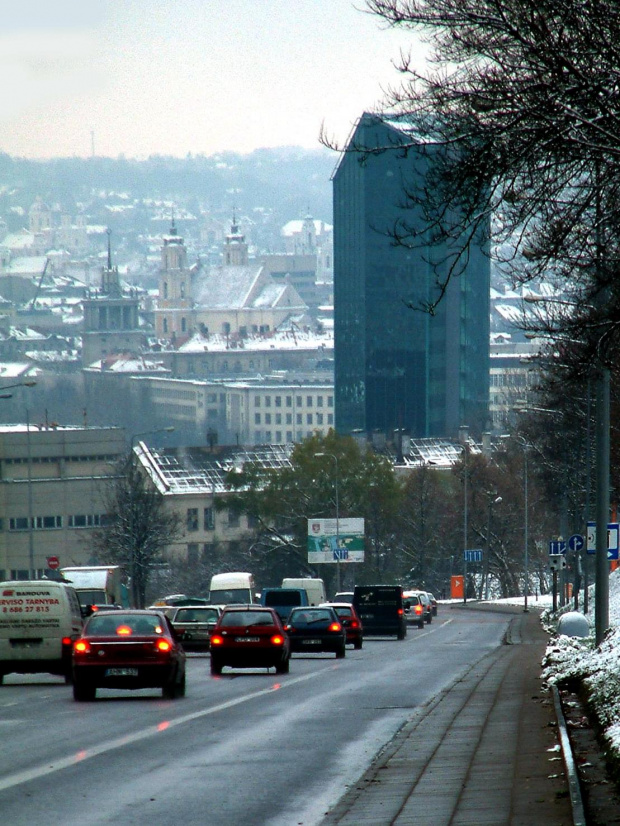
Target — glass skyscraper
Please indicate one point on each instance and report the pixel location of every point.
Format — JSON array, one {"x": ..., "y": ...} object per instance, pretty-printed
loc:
[{"x": 398, "y": 368}]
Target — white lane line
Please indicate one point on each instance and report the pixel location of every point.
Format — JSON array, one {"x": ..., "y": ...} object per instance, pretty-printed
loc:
[{"x": 151, "y": 731}]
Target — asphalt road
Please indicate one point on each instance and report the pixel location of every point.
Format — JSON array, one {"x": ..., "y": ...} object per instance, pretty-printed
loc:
[{"x": 247, "y": 747}]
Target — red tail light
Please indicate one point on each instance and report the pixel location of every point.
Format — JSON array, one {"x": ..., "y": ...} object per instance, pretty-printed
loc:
[
  {"x": 163, "y": 645},
  {"x": 216, "y": 639},
  {"x": 66, "y": 640},
  {"x": 354, "y": 624},
  {"x": 418, "y": 609},
  {"x": 400, "y": 612},
  {"x": 277, "y": 639},
  {"x": 335, "y": 626},
  {"x": 81, "y": 647},
  {"x": 289, "y": 629}
]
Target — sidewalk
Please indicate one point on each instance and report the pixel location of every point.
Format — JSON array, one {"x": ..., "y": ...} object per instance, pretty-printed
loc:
[{"x": 479, "y": 753}]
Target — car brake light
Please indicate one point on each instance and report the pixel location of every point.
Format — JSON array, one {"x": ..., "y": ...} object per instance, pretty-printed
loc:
[
  {"x": 163, "y": 645},
  {"x": 277, "y": 639},
  {"x": 418, "y": 609},
  {"x": 400, "y": 612},
  {"x": 216, "y": 639},
  {"x": 66, "y": 640},
  {"x": 354, "y": 624},
  {"x": 81, "y": 647},
  {"x": 123, "y": 630},
  {"x": 335, "y": 626},
  {"x": 289, "y": 629}
]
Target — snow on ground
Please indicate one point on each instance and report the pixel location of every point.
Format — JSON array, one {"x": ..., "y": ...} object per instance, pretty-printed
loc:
[{"x": 599, "y": 668}]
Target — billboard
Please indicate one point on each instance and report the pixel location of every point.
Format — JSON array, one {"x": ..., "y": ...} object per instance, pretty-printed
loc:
[{"x": 331, "y": 540}]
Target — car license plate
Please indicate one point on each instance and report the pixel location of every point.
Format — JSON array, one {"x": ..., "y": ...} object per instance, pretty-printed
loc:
[
  {"x": 247, "y": 639},
  {"x": 311, "y": 642},
  {"x": 121, "y": 672}
]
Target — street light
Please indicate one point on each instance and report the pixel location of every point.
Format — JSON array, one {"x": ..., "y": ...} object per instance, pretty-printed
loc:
[
  {"x": 337, "y": 479},
  {"x": 494, "y": 499}
]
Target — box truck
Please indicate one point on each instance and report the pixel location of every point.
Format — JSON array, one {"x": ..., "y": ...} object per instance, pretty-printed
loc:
[{"x": 97, "y": 585}]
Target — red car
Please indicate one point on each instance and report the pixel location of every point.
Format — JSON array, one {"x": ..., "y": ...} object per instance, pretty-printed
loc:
[
  {"x": 349, "y": 617},
  {"x": 249, "y": 636},
  {"x": 128, "y": 649}
]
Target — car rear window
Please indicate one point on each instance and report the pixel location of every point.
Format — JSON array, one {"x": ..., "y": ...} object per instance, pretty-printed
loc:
[
  {"x": 234, "y": 618},
  {"x": 196, "y": 615},
  {"x": 343, "y": 612},
  {"x": 305, "y": 617},
  {"x": 282, "y": 598},
  {"x": 114, "y": 623}
]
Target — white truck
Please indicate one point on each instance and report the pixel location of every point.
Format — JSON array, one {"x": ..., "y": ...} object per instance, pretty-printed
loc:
[
  {"x": 234, "y": 587},
  {"x": 315, "y": 588},
  {"x": 97, "y": 585}
]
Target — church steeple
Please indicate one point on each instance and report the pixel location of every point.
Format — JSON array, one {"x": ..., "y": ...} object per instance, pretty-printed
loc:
[
  {"x": 235, "y": 248},
  {"x": 110, "y": 281}
]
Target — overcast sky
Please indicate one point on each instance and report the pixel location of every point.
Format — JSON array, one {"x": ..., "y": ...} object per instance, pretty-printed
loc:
[{"x": 142, "y": 77}]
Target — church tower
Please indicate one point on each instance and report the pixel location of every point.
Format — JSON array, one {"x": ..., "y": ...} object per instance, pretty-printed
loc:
[
  {"x": 235, "y": 248},
  {"x": 173, "y": 316},
  {"x": 111, "y": 319}
]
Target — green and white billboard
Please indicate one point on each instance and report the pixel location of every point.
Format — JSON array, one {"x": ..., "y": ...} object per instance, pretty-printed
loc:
[{"x": 331, "y": 540}]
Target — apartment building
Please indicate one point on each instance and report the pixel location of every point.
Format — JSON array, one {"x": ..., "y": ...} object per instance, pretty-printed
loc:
[{"x": 52, "y": 482}]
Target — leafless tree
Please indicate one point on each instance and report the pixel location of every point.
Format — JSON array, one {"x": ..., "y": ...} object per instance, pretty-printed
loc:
[
  {"x": 523, "y": 97},
  {"x": 138, "y": 527}
]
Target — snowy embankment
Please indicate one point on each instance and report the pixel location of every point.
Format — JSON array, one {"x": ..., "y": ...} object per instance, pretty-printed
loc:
[{"x": 596, "y": 670}]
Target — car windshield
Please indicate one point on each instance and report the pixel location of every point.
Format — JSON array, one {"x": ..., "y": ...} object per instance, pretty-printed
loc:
[
  {"x": 310, "y": 617},
  {"x": 124, "y": 625},
  {"x": 196, "y": 615},
  {"x": 238, "y": 618}
]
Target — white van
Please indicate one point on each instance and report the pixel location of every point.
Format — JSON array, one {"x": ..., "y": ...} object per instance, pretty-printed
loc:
[
  {"x": 39, "y": 621},
  {"x": 234, "y": 587},
  {"x": 315, "y": 588}
]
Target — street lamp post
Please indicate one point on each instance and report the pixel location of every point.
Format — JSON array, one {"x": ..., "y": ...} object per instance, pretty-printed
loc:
[
  {"x": 465, "y": 516},
  {"x": 494, "y": 499},
  {"x": 336, "y": 486}
]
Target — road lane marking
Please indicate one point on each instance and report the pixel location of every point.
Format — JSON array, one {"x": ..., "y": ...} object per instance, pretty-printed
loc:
[{"x": 35, "y": 773}]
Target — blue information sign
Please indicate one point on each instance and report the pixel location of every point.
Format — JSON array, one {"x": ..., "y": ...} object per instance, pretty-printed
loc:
[{"x": 557, "y": 547}]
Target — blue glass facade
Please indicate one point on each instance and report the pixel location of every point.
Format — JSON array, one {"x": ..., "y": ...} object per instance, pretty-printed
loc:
[{"x": 396, "y": 367}]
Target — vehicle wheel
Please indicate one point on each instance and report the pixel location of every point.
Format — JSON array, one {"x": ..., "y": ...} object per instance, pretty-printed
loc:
[
  {"x": 342, "y": 652},
  {"x": 1, "y": 677},
  {"x": 357, "y": 645},
  {"x": 181, "y": 687},
  {"x": 283, "y": 667},
  {"x": 216, "y": 666},
  {"x": 68, "y": 678},
  {"x": 169, "y": 689},
  {"x": 430, "y": 619},
  {"x": 421, "y": 624},
  {"x": 401, "y": 635},
  {"x": 84, "y": 692}
]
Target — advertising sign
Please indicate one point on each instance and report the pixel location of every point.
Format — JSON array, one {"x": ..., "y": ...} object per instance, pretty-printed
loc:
[{"x": 335, "y": 541}]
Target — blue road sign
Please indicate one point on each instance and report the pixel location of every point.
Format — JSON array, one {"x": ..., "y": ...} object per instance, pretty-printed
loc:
[
  {"x": 473, "y": 556},
  {"x": 576, "y": 543},
  {"x": 557, "y": 547}
]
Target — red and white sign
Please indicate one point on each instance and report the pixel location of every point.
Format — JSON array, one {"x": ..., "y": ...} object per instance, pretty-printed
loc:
[{"x": 53, "y": 562}]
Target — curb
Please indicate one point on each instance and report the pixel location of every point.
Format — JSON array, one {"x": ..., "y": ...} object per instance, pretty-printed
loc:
[{"x": 579, "y": 818}]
